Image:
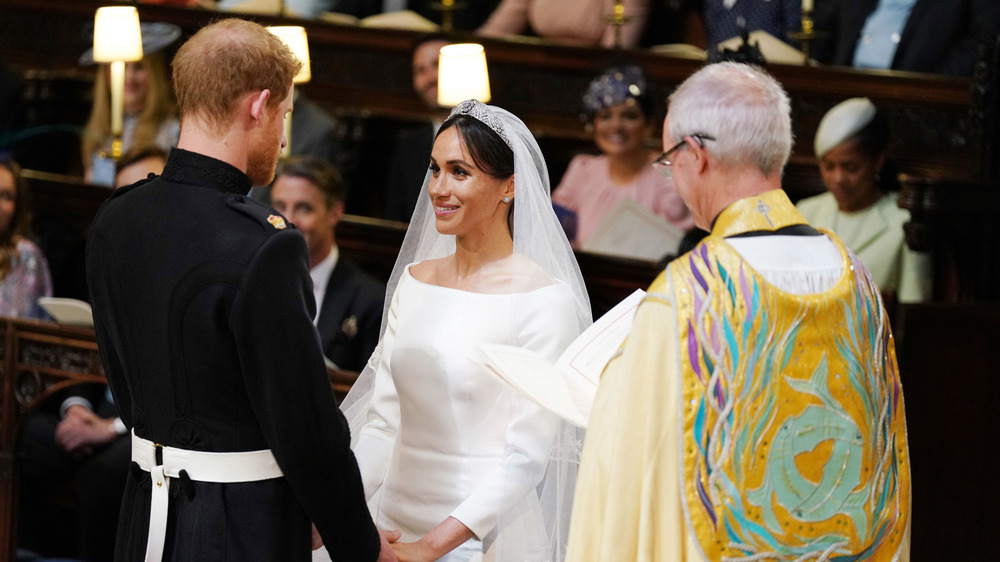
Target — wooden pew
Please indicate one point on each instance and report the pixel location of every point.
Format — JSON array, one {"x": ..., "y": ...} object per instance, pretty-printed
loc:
[
  {"x": 38, "y": 359},
  {"x": 948, "y": 362}
]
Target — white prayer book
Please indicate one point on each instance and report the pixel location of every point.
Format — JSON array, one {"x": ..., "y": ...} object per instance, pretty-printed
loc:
[
  {"x": 402, "y": 19},
  {"x": 680, "y": 50},
  {"x": 68, "y": 311},
  {"x": 631, "y": 230},
  {"x": 568, "y": 387}
]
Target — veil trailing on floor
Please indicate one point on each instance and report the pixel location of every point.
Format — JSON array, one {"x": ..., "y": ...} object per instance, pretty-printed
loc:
[{"x": 542, "y": 254}]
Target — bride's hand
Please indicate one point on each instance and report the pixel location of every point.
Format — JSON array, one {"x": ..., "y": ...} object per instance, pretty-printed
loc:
[
  {"x": 444, "y": 538},
  {"x": 413, "y": 552}
]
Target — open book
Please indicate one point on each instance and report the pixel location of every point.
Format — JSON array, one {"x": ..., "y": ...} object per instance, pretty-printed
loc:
[
  {"x": 403, "y": 19},
  {"x": 634, "y": 231},
  {"x": 568, "y": 387}
]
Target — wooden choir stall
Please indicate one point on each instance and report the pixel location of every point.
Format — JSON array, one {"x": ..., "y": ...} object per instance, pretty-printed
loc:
[{"x": 946, "y": 140}]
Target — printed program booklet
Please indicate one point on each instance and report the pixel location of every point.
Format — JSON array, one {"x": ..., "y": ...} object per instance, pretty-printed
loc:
[{"x": 568, "y": 387}]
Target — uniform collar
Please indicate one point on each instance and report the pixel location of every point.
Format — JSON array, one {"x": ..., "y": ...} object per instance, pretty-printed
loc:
[
  {"x": 184, "y": 166},
  {"x": 768, "y": 211}
]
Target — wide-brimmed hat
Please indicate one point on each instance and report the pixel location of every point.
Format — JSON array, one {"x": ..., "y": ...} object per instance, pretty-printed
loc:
[{"x": 155, "y": 36}]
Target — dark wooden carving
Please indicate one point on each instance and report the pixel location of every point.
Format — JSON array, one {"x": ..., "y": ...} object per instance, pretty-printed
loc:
[
  {"x": 948, "y": 355},
  {"x": 956, "y": 220},
  {"x": 39, "y": 358},
  {"x": 985, "y": 113}
]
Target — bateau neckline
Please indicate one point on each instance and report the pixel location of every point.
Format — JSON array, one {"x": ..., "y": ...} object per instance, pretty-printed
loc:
[{"x": 406, "y": 272}]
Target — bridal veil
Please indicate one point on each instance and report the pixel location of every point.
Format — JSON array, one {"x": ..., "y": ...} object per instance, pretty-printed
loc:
[{"x": 537, "y": 236}]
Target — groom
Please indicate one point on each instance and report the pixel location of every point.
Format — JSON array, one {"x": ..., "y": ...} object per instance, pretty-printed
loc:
[{"x": 203, "y": 310}]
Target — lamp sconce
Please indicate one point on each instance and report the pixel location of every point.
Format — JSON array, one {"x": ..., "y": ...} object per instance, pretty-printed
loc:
[
  {"x": 295, "y": 38},
  {"x": 462, "y": 74},
  {"x": 117, "y": 40}
]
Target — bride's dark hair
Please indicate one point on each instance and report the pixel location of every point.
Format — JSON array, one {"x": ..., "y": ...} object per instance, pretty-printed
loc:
[{"x": 489, "y": 152}]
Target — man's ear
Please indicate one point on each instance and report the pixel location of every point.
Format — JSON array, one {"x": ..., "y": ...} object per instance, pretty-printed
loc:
[
  {"x": 257, "y": 104},
  {"x": 337, "y": 212},
  {"x": 700, "y": 154}
]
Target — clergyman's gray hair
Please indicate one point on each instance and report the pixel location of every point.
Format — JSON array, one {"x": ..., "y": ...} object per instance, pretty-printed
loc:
[{"x": 743, "y": 108}]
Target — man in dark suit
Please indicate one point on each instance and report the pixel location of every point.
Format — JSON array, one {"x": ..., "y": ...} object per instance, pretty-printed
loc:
[
  {"x": 932, "y": 36},
  {"x": 79, "y": 445},
  {"x": 203, "y": 312},
  {"x": 310, "y": 194},
  {"x": 412, "y": 150}
]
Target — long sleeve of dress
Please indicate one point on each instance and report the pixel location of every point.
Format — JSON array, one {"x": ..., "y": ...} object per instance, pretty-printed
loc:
[
  {"x": 509, "y": 18},
  {"x": 378, "y": 435},
  {"x": 531, "y": 431}
]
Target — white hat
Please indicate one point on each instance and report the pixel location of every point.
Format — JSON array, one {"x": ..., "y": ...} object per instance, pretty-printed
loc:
[{"x": 842, "y": 122}]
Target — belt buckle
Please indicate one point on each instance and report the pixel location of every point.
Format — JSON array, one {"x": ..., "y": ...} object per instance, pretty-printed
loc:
[{"x": 158, "y": 454}]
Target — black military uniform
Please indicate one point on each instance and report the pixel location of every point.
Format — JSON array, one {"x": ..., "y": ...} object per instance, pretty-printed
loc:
[{"x": 203, "y": 309}]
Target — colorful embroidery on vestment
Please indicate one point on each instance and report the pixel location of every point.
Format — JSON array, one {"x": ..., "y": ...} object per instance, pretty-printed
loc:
[{"x": 794, "y": 441}]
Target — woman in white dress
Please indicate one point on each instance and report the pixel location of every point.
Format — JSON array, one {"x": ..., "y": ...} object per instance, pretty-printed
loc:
[{"x": 463, "y": 466}]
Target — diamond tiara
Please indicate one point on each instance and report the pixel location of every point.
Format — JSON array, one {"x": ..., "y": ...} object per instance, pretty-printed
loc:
[{"x": 481, "y": 112}]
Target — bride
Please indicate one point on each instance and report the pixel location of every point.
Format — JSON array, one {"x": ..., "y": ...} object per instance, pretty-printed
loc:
[{"x": 463, "y": 466}]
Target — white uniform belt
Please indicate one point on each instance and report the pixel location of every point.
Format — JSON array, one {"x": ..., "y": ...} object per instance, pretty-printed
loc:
[{"x": 202, "y": 466}]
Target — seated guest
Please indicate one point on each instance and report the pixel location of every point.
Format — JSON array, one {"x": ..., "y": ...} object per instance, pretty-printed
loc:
[
  {"x": 24, "y": 272},
  {"x": 309, "y": 193},
  {"x": 149, "y": 108},
  {"x": 916, "y": 35},
  {"x": 83, "y": 445},
  {"x": 569, "y": 21},
  {"x": 725, "y": 19},
  {"x": 412, "y": 150},
  {"x": 138, "y": 163},
  {"x": 852, "y": 147},
  {"x": 620, "y": 110}
]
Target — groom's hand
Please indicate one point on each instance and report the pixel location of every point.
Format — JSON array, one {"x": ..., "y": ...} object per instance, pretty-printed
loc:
[{"x": 386, "y": 554}]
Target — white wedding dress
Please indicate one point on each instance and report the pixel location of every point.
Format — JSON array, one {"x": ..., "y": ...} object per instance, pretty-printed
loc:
[{"x": 444, "y": 437}]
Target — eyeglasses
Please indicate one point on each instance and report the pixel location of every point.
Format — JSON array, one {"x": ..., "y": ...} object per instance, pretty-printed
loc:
[{"x": 663, "y": 165}]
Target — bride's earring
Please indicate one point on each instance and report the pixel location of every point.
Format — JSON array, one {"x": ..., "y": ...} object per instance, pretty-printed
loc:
[{"x": 506, "y": 199}]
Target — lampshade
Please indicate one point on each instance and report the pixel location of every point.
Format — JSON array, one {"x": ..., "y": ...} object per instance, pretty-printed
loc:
[
  {"x": 294, "y": 37},
  {"x": 462, "y": 74},
  {"x": 116, "y": 34}
]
